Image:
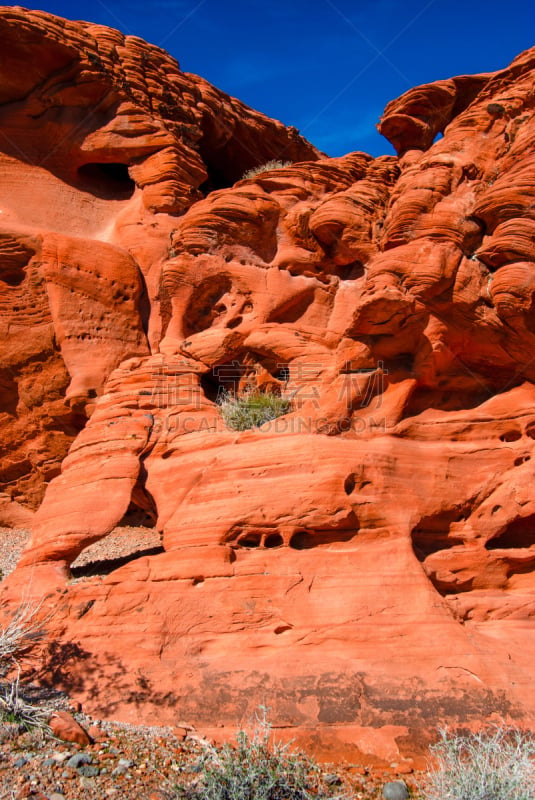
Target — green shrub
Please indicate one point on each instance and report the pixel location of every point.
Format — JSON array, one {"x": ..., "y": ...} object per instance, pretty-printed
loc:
[
  {"x": 496, "y": 764},
  {"x": 254, "y": 769},
  {"x": 251, "y": 409},
  {"x": 269, "y": 165}
]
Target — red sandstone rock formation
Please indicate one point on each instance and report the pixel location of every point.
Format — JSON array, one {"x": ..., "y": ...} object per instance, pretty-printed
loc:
[
  {"x": 365, "y": 564},
  {"x": 103, "y": 143}
]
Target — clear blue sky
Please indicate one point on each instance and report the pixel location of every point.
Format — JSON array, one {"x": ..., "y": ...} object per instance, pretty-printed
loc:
[{"x": 328, "y": 67}]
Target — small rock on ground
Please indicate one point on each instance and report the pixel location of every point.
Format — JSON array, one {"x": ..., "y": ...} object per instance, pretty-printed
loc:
[{"x": 395, "y": 790}]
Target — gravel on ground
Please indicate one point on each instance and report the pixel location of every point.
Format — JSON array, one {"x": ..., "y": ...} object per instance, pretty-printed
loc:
[
  {"x": 136, "y": 763},
  {"x": 118, "y": 547}
]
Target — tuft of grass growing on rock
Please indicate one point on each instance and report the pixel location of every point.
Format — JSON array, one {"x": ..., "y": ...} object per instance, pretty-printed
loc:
[
  {"x": 251, "y": 409},
  {"x": 269, "y": 165},
  {"x": 495, "y": 764}
]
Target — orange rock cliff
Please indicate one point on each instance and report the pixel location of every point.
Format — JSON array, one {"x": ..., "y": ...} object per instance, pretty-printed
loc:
[{"x": 364, "y": 565}]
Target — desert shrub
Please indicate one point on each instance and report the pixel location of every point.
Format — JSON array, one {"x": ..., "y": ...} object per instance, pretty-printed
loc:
[
  {"x": 269, "y": 165},
  {"x": 254, "y": 768},
  {"x": 17, "y": 637},
  {"x": 16, "y": 709},
  {"x": 251, "y": 409},
  {"x": 20, "y": 634},
  {"x": 496, "y": 764}
]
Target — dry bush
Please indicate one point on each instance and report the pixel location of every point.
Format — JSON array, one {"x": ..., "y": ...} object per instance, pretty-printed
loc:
[
  {"x": 269, "y": 165},
  {"x": 20, "y": 634},
  {"x": 254, "y": 768},
  {"x": 23, "y": 631},
  {"x": 496, "y": 764}
]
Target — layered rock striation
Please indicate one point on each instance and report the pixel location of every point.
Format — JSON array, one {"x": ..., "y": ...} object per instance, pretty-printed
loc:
[
  {"x": 103, "y": 143},
  {"x": 364, "y": 565}
]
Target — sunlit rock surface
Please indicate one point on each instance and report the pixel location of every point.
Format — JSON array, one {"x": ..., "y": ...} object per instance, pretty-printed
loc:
[{"x": 364, "y": 565}]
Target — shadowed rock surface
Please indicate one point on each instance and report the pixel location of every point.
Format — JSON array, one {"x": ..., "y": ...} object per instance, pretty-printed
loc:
[{"x": 363, "y": 565}]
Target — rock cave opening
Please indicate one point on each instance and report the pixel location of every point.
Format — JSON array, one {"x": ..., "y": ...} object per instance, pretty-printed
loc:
[
  {"x": 433, "y": 533},
  {"x": 9, "y": 392},
  {"x": 134, "y": 536},
  {"x": 245, "y": 370},
  {"x": 252, "y": 539},
  {"x": 445, "y": 400},
  {"x": 12, "y": 274},
  {"x": 351, "y": 272},
  {"x": 97, "y": 568},
  {"x": 108, "y": 181},
  {"x": 136, "y": 517},
  {"x": 518, "y": 534},
  {"x": 225, "y": 165},
  {"x": 15, "y": 254}
]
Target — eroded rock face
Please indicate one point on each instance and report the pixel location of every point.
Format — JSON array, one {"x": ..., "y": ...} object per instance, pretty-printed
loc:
[
  {"x": 103, "y": 143},
  {"x": 365, "y": 564}
]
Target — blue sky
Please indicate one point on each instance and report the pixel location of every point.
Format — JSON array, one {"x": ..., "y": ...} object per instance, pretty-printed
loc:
[{"x": 328, "y": 67}]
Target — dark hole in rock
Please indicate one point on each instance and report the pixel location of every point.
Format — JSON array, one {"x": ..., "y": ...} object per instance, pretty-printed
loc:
[
  {"x": 349, "y": 484},
  {"x": 142, "y": 512},
  {"x": 282, "y": 629},
  {"x": 433, "y": 533},
  {"x": 108, "y": 181},
  {"x": 495, "y": 109},
  {"x": 13, "y": 275},
  {"x": 15, "y": 254},
  {"x": 423, "y": 399},
  {"x": 223, "y": 378},
  {"x": 403, "y": 362},
  {"x": 520, "y": 533},
  {"x": 250, "y": 540},
  {"x": 137, "y": 517},
  {"x": 510, "y": 436},
  {"x": 301, "y": 541},
  {"x": 9, "y": 392},
  {"x": 218, "y": 178},
  {"x": 72, "y": 423},
  {"x": 351, "y": 272},
  {"x": 273, "y": 540}
]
